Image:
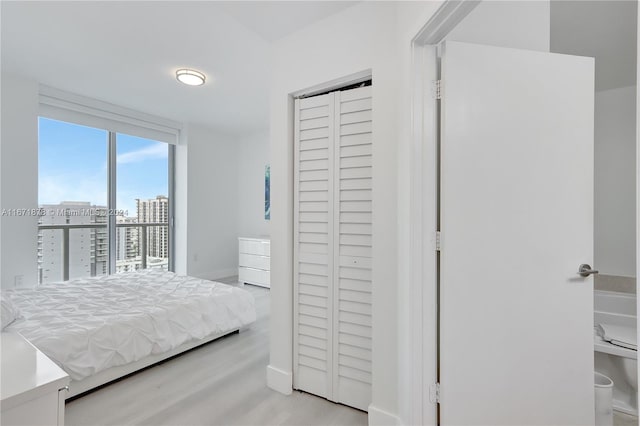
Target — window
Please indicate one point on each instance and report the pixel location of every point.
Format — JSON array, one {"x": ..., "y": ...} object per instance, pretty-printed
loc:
[
  {"x": 142, "y": 194},
  {"x": 105, "y": 202}
]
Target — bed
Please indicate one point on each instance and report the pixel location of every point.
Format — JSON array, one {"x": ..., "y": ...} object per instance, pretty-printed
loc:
[{"x": 102, "y": 328}]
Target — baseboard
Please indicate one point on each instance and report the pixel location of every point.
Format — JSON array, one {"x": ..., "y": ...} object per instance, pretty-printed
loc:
[
  {"x": 279, "y": 380},
  {"x": 378, "y": 417},
  {"x": 223, "y": 273}
]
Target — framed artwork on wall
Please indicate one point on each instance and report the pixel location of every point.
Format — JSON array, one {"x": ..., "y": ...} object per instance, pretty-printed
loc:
[{"x": 267, "y": 192}]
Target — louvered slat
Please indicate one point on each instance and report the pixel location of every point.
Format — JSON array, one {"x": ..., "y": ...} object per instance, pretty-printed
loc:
[
  {"x": 314, "y": 247},
  {"x": 317, "y": 332},
  {"x": 313, "y": 175},
  {"x": 314, "y": 144},
  {"x": 313, "y": 352},
  {"x": 356, "y": 150},
  {"x": 357, "y": 139},
  {"x": 312, "y": 290},
  {"x": 356, "y": 296},
  {"x": 356, "y": 105},
  {"x": 361, "y": 251},
  {"x": 355, "y": 206},
  {"x": 353, "y": 162},
  {"x": 357, "y": 363},
  {"x": 315, "y": 112},
  {"x": 313, "y": 321},
  {"x": 355, "y": 285},
  {"x": 318, "y": 301},
  {"x": 355, "y": 352},
  {"x": 359, "y": 172},
  {"x": 307, "y": 237},
  {"x": 314, "y": 123},
  {"x": 313, "y": 363},
  {"x": 355, "y": 240},
  {"x": 306, "y": 187},
  {"x": 355, "y": 341},
  {"x": 358, "y": 330},
  {"x": 317, "y": 280},
  {"x": 314, "y": 154}
]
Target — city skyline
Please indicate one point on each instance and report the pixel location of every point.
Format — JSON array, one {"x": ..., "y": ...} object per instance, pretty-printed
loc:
[
  {"x": 88, "y": 247},
  {"x": 73, "y": 166}
]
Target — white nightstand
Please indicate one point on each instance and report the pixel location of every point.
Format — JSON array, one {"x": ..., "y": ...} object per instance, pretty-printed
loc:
[
  {"x": 254, "y": 261},
  {"x": 33, "y": 388}
]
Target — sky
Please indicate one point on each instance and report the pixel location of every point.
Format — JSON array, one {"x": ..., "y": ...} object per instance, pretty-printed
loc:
[{"x": 72, "y": 166}]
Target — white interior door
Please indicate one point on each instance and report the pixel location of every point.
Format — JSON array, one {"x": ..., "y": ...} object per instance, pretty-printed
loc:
[{"x": 516, "y": 342}]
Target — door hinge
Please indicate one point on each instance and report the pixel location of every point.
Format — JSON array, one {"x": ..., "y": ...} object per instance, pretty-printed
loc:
[
  {"x": 434, "y": 393},
  {"x": 438, "y": 241},
  {"x": 437, "y": 89}
]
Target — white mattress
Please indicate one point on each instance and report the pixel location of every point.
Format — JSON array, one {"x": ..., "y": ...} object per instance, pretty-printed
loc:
[{"x": 91, "y": 324}]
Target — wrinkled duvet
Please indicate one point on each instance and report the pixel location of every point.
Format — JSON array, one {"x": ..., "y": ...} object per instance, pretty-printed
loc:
[{"x": 89, "y": 325}]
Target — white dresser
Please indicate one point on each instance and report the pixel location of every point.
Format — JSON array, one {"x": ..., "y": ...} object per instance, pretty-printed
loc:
[
  {"x": 254, "y": 261},
  {"x": 33, "y": 388}
]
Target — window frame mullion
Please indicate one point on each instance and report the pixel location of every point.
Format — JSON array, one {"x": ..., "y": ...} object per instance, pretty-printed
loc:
[{"x": 111, "y": 201}]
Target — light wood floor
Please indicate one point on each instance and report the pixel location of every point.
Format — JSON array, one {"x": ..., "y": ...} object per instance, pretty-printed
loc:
[
  {"x": 621, "y": 419},
  {"x": 221, "y": 383}
]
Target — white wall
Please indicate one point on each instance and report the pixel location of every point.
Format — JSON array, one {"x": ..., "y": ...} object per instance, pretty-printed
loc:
[
  {"x": 518, "y": 24},
  {"x": 253, "y": 156},
  {"x": 615, "y": 181},
  {"x": 369, "y": 35},
  {"x": 212, "y": 203},
  {"x": 19, "y": 170},
  {"x": 608, "y": 32}
]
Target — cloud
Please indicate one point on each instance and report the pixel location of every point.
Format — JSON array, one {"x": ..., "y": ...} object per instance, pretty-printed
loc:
[
  {"x": 54, "y": 189},
  {"x": 156, "y": 151}
]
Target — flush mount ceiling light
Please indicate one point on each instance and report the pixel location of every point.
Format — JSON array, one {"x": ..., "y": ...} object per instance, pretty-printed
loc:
[{"x": 190, "y": 77}]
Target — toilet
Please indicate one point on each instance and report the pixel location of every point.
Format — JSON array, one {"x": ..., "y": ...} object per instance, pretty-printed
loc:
[{"x": 615, "y": 338}]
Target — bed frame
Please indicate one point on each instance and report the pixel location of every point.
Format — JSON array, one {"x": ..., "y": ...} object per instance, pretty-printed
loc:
[{"x": 77, "y": 388}]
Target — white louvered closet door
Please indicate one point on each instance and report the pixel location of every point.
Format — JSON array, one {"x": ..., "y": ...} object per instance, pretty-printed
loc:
[
  {"x": 332, "y": 265},
  {"x": 313, "y": 245}
]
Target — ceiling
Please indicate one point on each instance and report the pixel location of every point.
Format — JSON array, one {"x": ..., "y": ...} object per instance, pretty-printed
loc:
[
  {"x": 126, "y": 53},
  {"x": 273, "y": 20},
  {"x": 605, "y": 30}
]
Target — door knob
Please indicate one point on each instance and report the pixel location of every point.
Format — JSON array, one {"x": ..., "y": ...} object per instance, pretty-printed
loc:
[{"x": 585, "y": 270}]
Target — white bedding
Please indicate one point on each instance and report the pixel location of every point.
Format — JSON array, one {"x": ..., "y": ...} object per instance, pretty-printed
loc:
[{"x": 89, "y": 325}]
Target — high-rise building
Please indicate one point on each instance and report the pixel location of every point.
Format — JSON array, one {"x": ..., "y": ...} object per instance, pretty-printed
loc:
[
  {"x": 155, "y": 210},
  {"x": 127, "y": 244},
  {"x": 88, "y": 247},
  {"x": 128, "y": 258}
]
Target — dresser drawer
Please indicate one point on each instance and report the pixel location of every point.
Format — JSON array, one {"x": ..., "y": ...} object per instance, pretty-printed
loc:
[
  {"x": 259, "y": 247},
  {"x": 255, "y": 261},
  {"x": 254, "y": 276}
]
